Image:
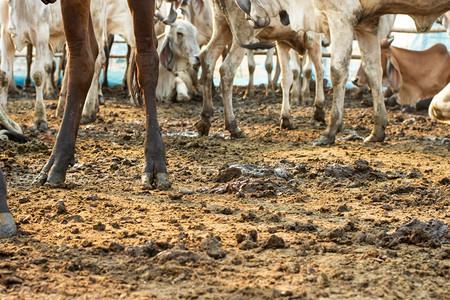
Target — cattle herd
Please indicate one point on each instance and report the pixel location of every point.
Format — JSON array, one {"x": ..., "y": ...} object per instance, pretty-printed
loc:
[{"x": 222, "y": 27}]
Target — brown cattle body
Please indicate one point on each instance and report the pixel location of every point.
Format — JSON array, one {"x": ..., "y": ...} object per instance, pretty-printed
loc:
[{"x": 83, "y": 49}]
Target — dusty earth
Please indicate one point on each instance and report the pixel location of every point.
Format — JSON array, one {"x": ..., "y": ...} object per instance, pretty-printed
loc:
[{"x": 267, "y": 216}]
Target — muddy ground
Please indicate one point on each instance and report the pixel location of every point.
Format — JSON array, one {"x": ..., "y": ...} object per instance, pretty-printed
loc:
[{"x": 267, "y": 216}]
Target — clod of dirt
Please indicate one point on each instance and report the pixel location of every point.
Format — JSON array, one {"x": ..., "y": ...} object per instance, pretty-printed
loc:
[
  {"x": 116, "y": 247},
  {"x": 149, "y": 250},
  {"x": 336, "y": 233},
  {"x": 240, "y": 238},
  {"x": 274, "y": 242},
  {"x": 226, "y": 211},
  {"x": 228, "y": 174},
  {"x": 253, "y": 235},
  {"x": 61, "y": 208},
  {"x": 248, "y": 245},
  {"x": 343, "y": 208},
  {"x": 99, "y": 227},
  {"x": 8, "y": 278},
  {"x": 301, "y": 227},
  {"x": 23, "y": 200},
  {"x": 428, "y": 234},
  {"x": 182, "y": 256},
  {"x": 322, "y": 279},
  {"x": 445, "y": 181},
  {"x": 212, "y": 248}
]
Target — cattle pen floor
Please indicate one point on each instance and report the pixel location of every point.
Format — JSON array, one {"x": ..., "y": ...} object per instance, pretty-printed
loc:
[{"x": 267, "y": 216}]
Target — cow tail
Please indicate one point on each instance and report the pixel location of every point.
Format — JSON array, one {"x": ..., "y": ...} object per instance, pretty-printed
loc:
[{"x": 132, "y": 81}]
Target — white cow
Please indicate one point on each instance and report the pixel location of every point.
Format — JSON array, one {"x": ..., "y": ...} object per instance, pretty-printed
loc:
[
  {"x": 179, "y": 52},
  {"x": 230, "y": 26},
  {"x": 341, "y": 19},
  {"x": 439, "y": 109},
  {"x": 28, "y": 22}
]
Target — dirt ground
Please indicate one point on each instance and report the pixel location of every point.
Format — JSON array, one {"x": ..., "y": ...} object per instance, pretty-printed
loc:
[{"x": 267, "y": 216}]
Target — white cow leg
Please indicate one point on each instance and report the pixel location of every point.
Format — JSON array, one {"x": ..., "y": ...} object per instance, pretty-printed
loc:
[
  {"x": 269, "y": 68},
  {"x": 63, "y": 94},
  {"x": 370, "y": 57},
  {"x": 286, "y": 83},
  {"x": 306, "y": 72},
  {"x": 341, "y": 38},
  {"x": 49, "y": 86},
  {"x": 296, "y": 72},
  {"x": 91, "y": 106},
  {"x": 250, "y": 91},
  {"x": 181, "y": 89},
  {"x": 315, "y": 55},
  {"x": 38, "y": 77},
  {"x": 227, "y": 73}
]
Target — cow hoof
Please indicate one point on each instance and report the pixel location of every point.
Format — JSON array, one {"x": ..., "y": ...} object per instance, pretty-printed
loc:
[
  {"x": 238, "y": 134},
  {"x": 160, "y": 181},
  {"x": 323, "y": 141},
  {"x": 375, "y": 138},
  {"x": 56, "y": 180},
  {"x": 203, "y": 127},
  {"x": 286, "y": 123},
  {"x": 40, "y": 125},
  {"x": 88, "y": 119},
  {"x": 101, "y": 100},
  {"x": 40, "y": 180},
  {"x": 319, "y": 115},
  {"x": 182, "y": 98},
  {"x": 7, "y": 225}
]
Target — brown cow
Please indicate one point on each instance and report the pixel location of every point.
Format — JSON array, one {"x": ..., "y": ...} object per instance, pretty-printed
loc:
[
  {"x": 412, "y": 75},
  {"x": 83, "y": 50}
]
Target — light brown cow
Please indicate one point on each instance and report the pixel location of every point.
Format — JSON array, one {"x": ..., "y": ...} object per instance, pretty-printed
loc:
[{"x": 412, "y": 75}]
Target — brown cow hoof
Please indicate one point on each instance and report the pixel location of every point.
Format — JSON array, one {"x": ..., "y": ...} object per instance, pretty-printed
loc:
[
  {"x": 160, "y": 181},
  {"x": 40, "y": 125},
  {"x": 323, "y": 141},
  {"x": 375, "y": 138},
  {"x": 319, "y": 115},
  {"x": 286, "y": 123},
  {"x": 7, "y": 225},
  {"x": 203, "y": 127}
]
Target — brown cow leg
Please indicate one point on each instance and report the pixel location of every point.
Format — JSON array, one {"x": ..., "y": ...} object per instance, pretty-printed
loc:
[
  {"x": 155, "y": 172},
  {"x": 82, "y": 53},
  {"x": 7, "y": 225}
]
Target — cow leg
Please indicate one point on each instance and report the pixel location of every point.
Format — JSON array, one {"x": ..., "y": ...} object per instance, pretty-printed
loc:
[
  {"x": 296, "y": 73},
  {"x": 208, "y": 57},
  {"x": 91, "y": 107},
  {"x": 107, "y": 47},
  {"x": 82, "y": 53},
  {"x": 39, "y": 70},
  {"x": 7, "y": 224},
  {"x": 49, "y": 85},
  {"x": 286, "y": 82},
  {"x": 268, "y": 64},
  {"x": 341, "y": 32},
  {"x": 250, "y": 91},
  {"x": 313, "y": 44},
  {"x": 370, "y": 58},
  {"x": 305, "y": 93},
  {"x": 27, "y": 82},
  {"x": 227, "y": 73},
  {"x": 63, "y": 94},
  {"x": 276, "y": 76},
  {"x": 155, "y": 172},
  {"x": 6, "y": 69}
]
